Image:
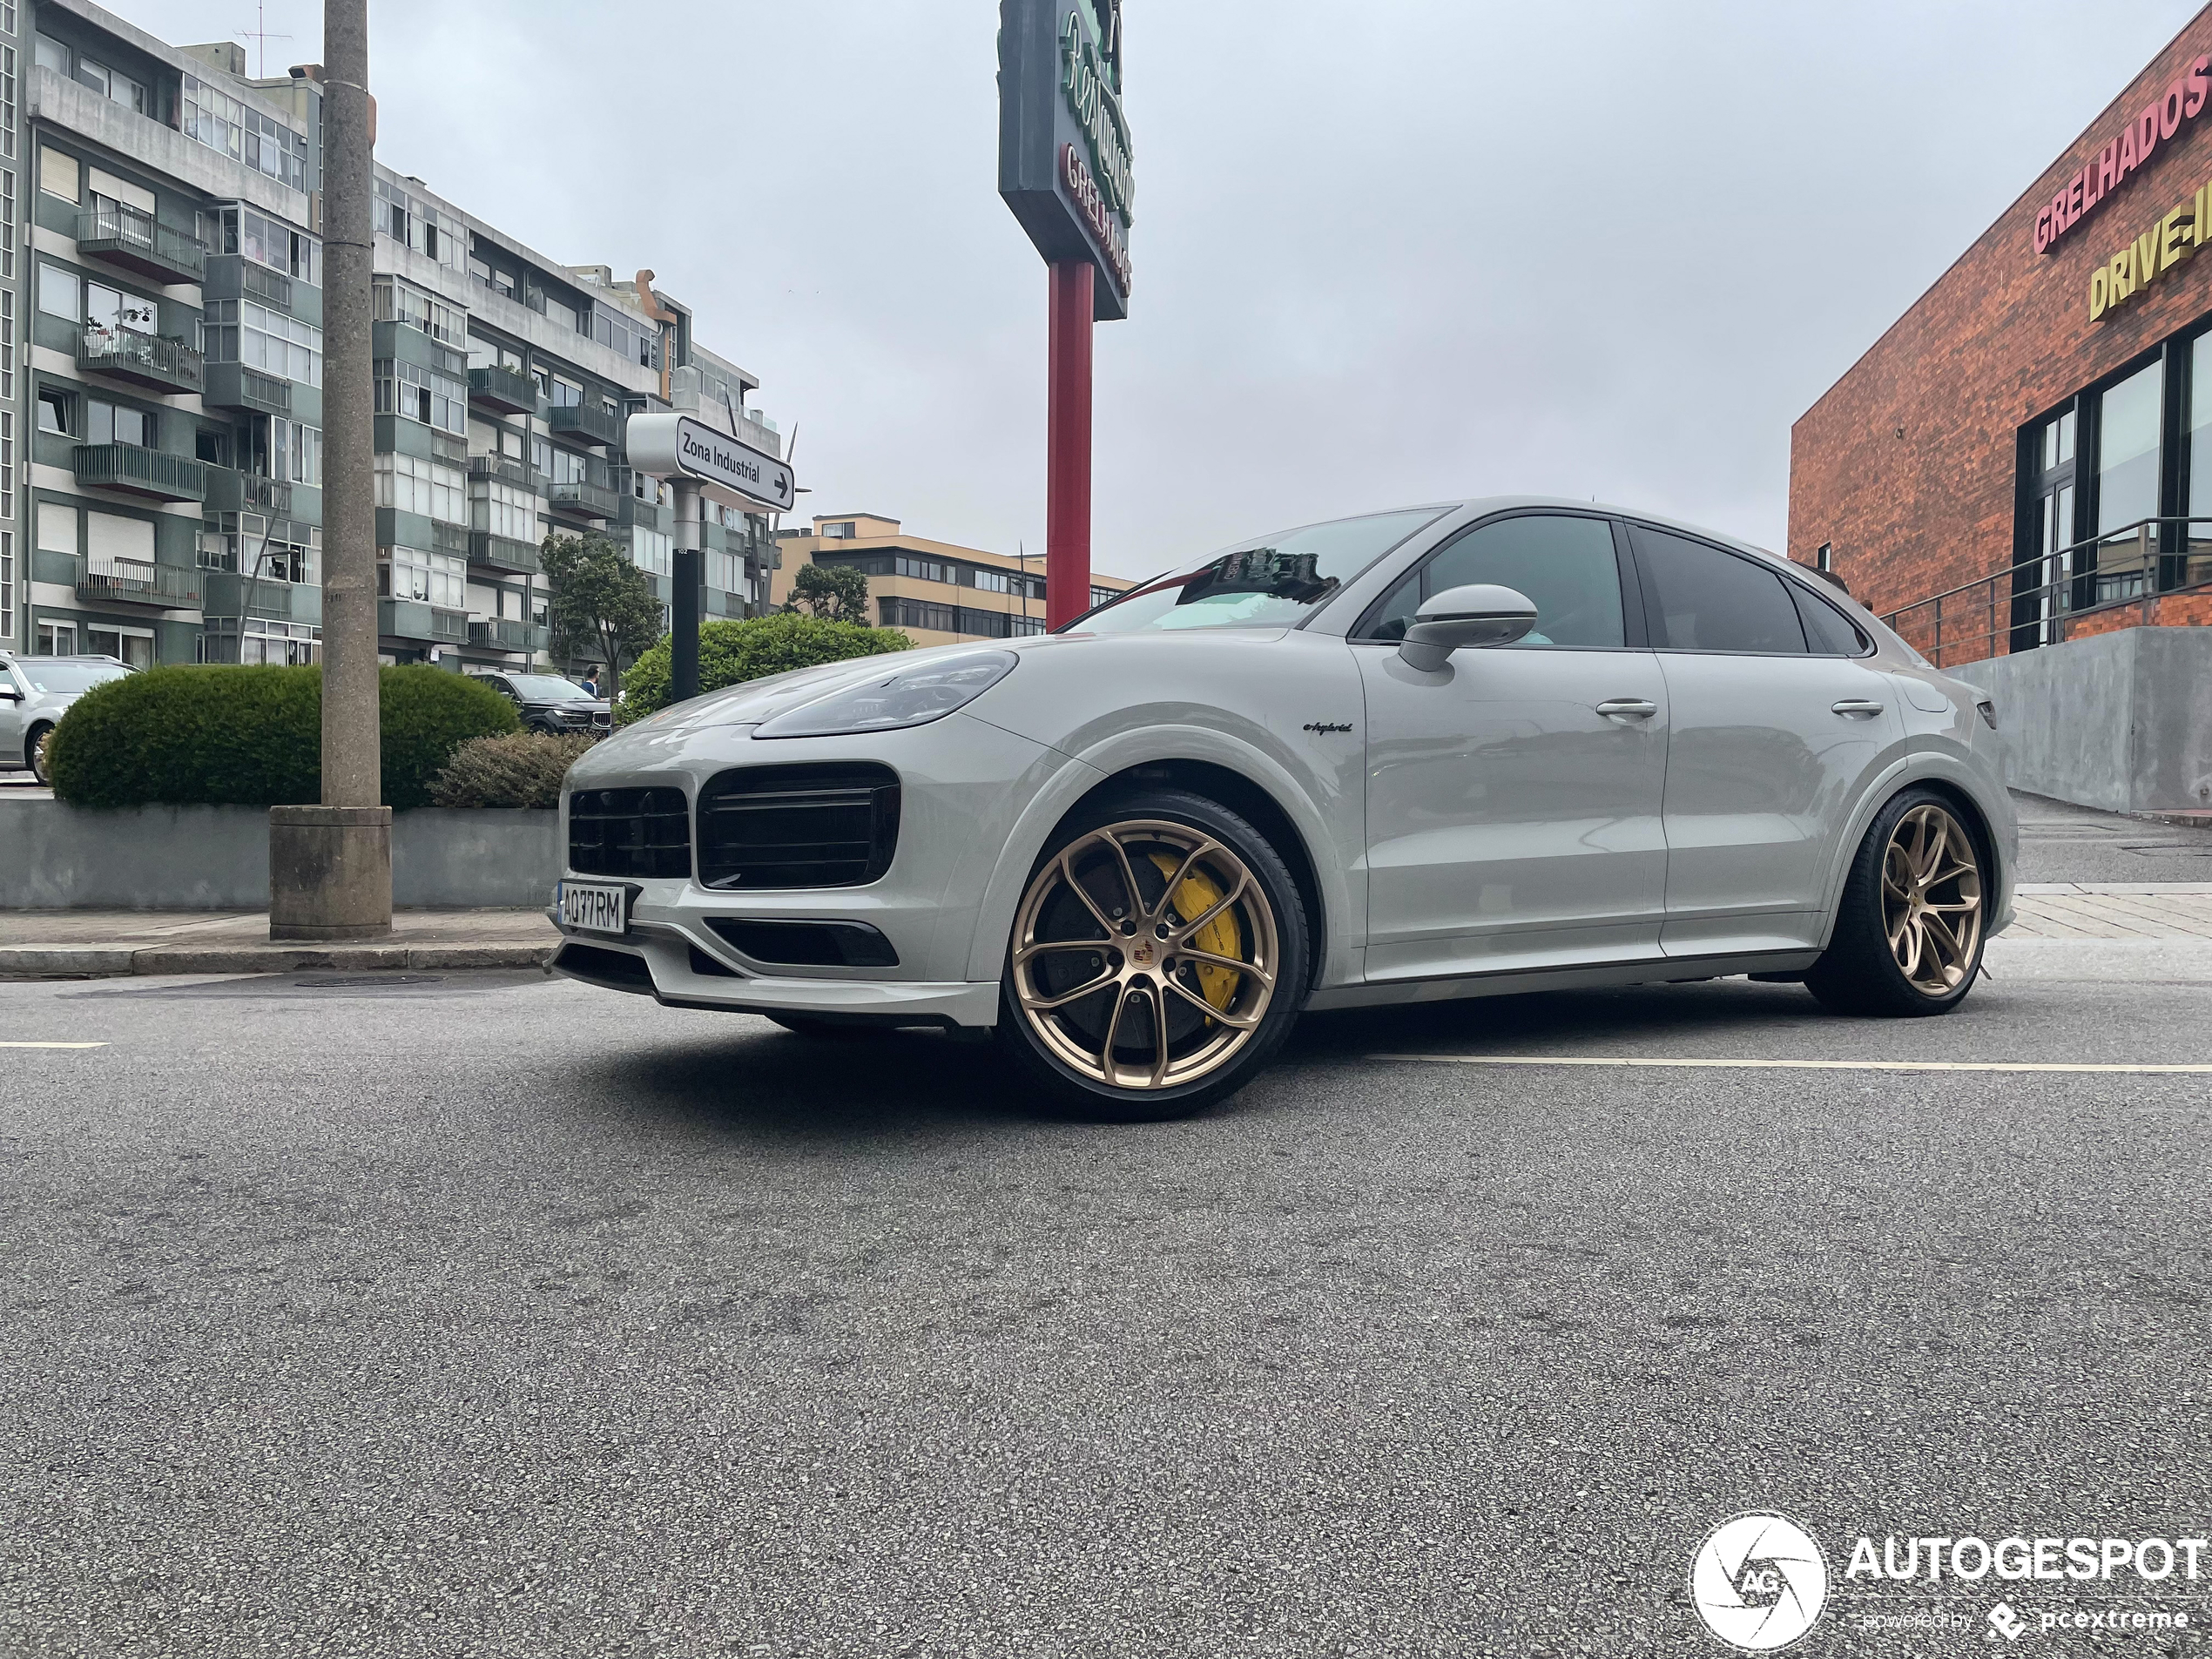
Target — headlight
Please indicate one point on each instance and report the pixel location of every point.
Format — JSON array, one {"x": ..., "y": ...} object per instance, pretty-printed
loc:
[{"x": 903, "y": 697}]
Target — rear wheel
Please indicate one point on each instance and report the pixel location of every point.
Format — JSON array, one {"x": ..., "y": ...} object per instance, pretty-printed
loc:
[
  {"x": 1908, "y": 937},
  {"x": 1157, "y": 960},
  {"x": 35, "y": 748}
]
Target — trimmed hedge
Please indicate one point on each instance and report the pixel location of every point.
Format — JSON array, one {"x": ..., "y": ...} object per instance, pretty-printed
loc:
[
  {"x": 521, "y": 769},
  {"x": 230, "y": 735},
  {"x": 730, "y": 652}
]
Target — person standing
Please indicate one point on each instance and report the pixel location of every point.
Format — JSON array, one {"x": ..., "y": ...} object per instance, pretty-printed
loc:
[{"x": 592, "y": 681}]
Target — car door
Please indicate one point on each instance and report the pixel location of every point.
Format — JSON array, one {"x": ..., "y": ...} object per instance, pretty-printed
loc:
[
  {"x": 1777, "y": 729},
  {"x": 1514, "y": 796}
]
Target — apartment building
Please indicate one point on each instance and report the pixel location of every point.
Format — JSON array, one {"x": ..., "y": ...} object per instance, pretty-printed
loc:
[
  {"x": 938, "y": 593},
  {"x": 172, "y": 288}
]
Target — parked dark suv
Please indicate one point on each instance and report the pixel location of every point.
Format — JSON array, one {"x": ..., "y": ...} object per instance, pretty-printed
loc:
[{"x": 548, "y": 703}]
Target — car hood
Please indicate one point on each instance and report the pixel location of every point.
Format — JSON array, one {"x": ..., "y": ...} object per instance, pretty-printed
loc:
[{"x": 763, "y": 699}]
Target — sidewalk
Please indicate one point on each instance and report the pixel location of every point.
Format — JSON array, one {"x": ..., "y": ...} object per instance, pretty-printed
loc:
[{"x": 167, "y": 941}]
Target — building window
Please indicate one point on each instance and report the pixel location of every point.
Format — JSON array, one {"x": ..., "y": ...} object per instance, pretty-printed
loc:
[
  {"x": 725, "y": 571},
  {"x": 650, "y": 549},
  {"x": 58, "y": 294},
  {"x": 7, "y": 92},
  {"x": 562, "y": 393},
  {"x": 841, "y": 531},
  {"x": 113, "y": 83},
  {"x": 435, "y": 578},
  {"x": 503, "y": 509},
  {"x": 117, "y": 423},
  {"x": 269, "y": 243},
  {"x": 414, "y": 393},
  {"x": 292, "y": 644},
  {"x": 57, "y": 639},
  {"x": 59, "y": 174},
  {"x": 275, "y": 549},
  {"x": 410, "y": 484},
  {"x": 921, "y": 569},
  {"x": 227, "y": 126},
  {"x": 50, "y": 53},
  {"x": 53, "y": 409},
  {"x": 7, "y": 584},
  {"x": 421, "y": 225},
  {"x": 288, "y": 450},
  {"x": 237, "y": 331},
  {"x": 1100, "y": 596},
  {"x": 131, "y": 646},
  {"x": 398, "y": 300},
  {"x": 2127, "y": 477}
]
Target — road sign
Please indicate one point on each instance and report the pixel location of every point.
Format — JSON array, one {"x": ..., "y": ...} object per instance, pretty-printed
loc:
[{"x": 735, "y": 474}]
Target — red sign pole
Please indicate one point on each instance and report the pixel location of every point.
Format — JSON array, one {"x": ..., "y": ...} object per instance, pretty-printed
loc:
[{"x": 1067, "y": 496}]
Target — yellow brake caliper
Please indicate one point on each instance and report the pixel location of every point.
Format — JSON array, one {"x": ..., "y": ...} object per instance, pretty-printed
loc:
[{"x": 1220, "y": 937}]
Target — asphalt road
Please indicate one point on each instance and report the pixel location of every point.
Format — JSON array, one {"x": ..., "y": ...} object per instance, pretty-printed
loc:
[{"x": 499, "y": 1315}]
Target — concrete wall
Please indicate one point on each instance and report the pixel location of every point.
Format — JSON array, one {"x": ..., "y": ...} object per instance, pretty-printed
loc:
[
  {"x": 54, "y": 857},
  {"x": 2120, "y": 720}
]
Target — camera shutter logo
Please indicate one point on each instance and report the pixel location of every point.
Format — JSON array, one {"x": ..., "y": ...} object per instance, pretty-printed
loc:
[{"x": 1758, "y": 1581}]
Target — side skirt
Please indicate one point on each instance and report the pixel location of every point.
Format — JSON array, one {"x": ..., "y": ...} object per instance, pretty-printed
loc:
[{"x": 1652, "y": 971}]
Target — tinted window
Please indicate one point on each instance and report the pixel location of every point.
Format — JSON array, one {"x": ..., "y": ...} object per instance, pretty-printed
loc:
[
  {"x": 62, "y": 679},
  {"x": 1829, "y": 632},
  {"x": 1273, "y": 582},
  {"x": 544, "y": 688},
  {"x": 1566, "y": 565},
  {"x": 1707, "y": 600}
]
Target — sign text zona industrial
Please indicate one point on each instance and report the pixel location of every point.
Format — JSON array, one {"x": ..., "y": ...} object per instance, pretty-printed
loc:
[{"x": 667, "y": 445}]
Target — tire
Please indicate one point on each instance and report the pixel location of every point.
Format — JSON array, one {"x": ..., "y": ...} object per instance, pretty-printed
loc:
[
  {"x": 1910, "y": 931},
  {"x": 1210, "y": 959},
  {"x": 34, "y": 750}
]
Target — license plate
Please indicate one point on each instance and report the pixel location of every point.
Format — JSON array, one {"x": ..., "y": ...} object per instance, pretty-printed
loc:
[{"x": 590, "y": 908}]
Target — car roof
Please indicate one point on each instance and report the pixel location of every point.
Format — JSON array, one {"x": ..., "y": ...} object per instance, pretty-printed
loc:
[{"x": 1486, "y": 504}]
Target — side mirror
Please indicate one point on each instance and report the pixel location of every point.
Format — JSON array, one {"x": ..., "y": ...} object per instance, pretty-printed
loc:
[
  {"x": 9, "y": 694},
  {"x": 1465, "y": 618}
]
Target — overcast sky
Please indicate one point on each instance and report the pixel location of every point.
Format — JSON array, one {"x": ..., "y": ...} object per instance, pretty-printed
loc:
[{"x": 1388, "y": 252}]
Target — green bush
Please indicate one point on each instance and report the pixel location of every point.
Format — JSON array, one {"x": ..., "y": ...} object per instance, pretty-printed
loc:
[
  {"x": 229, "y": 735},
  {"x": 520, "y": 769},
  {"x": 730, "y": 652}
]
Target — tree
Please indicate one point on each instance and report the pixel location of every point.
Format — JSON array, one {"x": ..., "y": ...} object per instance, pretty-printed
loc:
[
  {"x": 833, "y": 592},
  {"x": 733, "y": 651},
  {"x": 599, "y": 603}
]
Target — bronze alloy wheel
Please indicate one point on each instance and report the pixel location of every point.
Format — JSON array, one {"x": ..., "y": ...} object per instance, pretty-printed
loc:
[
  {"x": 1931, "y": 900},
  {"x": 1145, "y": 955}
]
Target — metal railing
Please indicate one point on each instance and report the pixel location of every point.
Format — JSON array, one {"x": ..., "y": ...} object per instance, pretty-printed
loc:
[
  {"x": 2037, "y": 600},
  {"x": 585, "y": 423},
  {"x": 506, "y": 469},
  {"x": 150, "y": 359},
  {"x": 138, "y": 581},
  {"x": 139, "y": 470},
  {"x": 132, "y": 234}
]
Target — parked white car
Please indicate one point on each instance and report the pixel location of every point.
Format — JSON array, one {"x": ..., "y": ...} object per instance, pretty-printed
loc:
[
  {"x": 34, "y": 691},
  {"x": 1457, "y": 750}
]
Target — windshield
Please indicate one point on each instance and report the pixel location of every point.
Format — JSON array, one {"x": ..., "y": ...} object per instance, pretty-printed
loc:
[
  {"x": 548, "y": 688},
  {"x": 62, "y": 679},
  {"x": 1271, "y": 581}
]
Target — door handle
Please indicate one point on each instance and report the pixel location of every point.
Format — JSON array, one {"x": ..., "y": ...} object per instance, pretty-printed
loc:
[
  {"x": 1627, "y": 708},
  {"x": 1851, "y": 706}
]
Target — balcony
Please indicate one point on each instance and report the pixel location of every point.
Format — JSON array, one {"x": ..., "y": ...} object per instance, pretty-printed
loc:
[
  {"x": 132, "y": 239},
  {"x": 229, "y": 594},
  {"x": 502, "y": 553},
  {"x": 135, "y": 582},
  {"x": 506, "y": 469},
  {"x": 507, "y": 633},
  {"x": 451, "y": 539},
  {"x": 633, "y": 511},
  {"x": 581, "y": 499},
  {"x": 234, "y": 386},
  {"x": 168, "y": 367},
  {"x": 229, "y": 491},
  {"x": 507, "y": 390},
  {"x": 413, "y": 619},
  {"x": 152, "y": 472},
  {"x": 586, "y": 423}
]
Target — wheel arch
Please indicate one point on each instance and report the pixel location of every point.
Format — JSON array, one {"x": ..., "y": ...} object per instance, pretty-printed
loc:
[
  {"x": 1249, "y": 801},
  {"x": 1242, "y": 779},
  {"x": 1945, "y": 776}
]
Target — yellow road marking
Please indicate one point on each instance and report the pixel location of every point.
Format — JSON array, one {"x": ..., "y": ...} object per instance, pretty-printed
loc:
[
  {"x": 1778, "y": 1065},
  {"x": 52, "y": 1045}
]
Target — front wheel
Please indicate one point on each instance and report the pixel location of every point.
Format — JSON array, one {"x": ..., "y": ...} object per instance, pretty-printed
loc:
[
  {"x": 1157, "y": 960},
  {"x": 1908, "y": 937}
]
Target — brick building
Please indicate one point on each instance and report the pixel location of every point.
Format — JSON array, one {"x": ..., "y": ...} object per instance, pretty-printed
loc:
[{"x": 2016, "y": 463}]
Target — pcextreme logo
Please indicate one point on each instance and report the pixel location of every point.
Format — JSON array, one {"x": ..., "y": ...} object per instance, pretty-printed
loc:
[{"x": 1759, "y": 1582}]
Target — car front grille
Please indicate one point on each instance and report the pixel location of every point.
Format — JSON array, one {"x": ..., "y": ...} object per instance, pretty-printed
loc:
[
  {"x": 833, "y": 824},
  {"x": 638, "y": 833}
]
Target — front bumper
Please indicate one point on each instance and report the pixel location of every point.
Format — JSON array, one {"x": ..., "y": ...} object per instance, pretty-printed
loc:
[{"x": 963, "y": 786}]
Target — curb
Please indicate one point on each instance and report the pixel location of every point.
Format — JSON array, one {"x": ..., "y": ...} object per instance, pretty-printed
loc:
[{"x": 30, "y": 960}]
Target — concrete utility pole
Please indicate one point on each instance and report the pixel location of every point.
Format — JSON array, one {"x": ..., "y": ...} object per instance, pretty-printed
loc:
[{"x": 330, "y": 866}]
